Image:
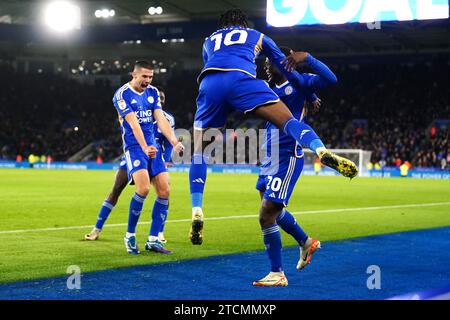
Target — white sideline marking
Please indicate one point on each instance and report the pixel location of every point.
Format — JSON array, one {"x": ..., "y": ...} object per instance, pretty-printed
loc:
[{"x": 401, "y": 206}]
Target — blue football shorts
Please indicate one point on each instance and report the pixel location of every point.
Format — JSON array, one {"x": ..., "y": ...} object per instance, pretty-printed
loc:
[
  {"x": 123, "y": 163},
  {"x": 278, "y": 186},
  {"x": 136, "y": 159},
  {"x": 223, "y": 92}
]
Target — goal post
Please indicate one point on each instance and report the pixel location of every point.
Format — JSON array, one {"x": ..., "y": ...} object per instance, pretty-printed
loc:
[{"x": 360, "y": 157}]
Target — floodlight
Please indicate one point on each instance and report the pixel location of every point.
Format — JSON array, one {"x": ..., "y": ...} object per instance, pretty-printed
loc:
[{"x": 62, "y": 16}]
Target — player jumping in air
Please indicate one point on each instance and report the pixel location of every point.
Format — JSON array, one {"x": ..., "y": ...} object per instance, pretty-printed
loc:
[
  {"x": 138, "y": 104},
  {"x": 163, "y": 158},
  {"x": 228, "y": 82}
]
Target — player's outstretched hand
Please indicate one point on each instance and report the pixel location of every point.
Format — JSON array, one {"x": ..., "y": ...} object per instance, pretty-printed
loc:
[
  {"x": 295, "y": 57},
  {"x": 312, "y": 106},
  {"x": 151, "y": 151},
  {"x": 316, "y": 104}
]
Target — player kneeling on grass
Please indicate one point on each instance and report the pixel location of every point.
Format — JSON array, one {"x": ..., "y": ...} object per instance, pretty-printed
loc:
[
  {"x": 138, "y": 104},
  {"x": 165, "y": 150}
]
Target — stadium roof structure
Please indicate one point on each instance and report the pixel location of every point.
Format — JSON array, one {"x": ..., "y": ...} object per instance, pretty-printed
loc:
[
  {"x": 134, "y": 11},
  {"x": 195, "y": 19}
]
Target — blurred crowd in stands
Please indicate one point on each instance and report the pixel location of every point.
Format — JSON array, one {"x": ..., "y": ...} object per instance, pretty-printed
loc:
[
  {"x": 48, "y": 115},
  {"x": 398, "y": 110}
]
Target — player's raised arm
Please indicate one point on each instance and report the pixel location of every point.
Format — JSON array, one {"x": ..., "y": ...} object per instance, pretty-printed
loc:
[
  {"x": 274, "y": 54},
  {"x": 324, "y": 76}
]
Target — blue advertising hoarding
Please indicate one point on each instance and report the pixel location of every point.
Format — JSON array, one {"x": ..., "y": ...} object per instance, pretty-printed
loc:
[{"x": 308, "y": 170}]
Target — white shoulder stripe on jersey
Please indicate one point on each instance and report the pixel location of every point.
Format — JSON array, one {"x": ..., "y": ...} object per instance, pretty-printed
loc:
[
  {"x": 121, "y": 90},
  {"x": 170, "y": 118},
  {"x": 119, "y": 94}
]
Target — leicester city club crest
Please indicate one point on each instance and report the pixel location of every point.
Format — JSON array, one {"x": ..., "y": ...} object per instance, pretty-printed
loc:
[{"x": 288, "y": 90}]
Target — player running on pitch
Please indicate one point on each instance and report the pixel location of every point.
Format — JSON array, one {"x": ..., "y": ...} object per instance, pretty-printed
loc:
[
  {"x": 228, "y": 82},
  {"x": 138, "y": 104},
  {"x": 283, "y": 165},
  {"x": 163, "y": 157}
]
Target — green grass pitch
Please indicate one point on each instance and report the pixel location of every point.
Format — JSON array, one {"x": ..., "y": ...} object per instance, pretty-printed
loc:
[{"x": 39, "y": 199}]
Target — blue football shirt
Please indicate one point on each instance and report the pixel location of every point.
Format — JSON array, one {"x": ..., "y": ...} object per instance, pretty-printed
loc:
[
  {"x": 143, "y": 104},
  {"x": 236, "y": 49}
]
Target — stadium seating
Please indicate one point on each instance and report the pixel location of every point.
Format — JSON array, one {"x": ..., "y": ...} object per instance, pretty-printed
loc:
[{"x": 375, "y": 106}]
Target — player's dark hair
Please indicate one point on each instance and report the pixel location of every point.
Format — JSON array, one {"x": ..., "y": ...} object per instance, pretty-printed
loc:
[
  {"x": 233, "y": 17},
  {"x": 143, "y": 64}
]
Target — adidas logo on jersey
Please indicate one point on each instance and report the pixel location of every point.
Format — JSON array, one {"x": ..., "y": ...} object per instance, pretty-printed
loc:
[
  {"x": 272, "y": 195},
  {"x": 133, "y": 101},
  {"x": 303, "y": 133},
  {"x": 199, "y": 180}
]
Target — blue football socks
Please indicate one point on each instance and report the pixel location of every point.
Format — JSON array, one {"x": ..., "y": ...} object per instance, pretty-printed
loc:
[
  {"x": 289, "y": 224},
  {"x": 105, "y": 210},
  {"x": 136, "y": 204},
  {"x": 159, "y": 215},
  {"x": 197, "y": 179},
  {"x": 303, "y": 134},
  {"x": 272, "y": 243}
]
